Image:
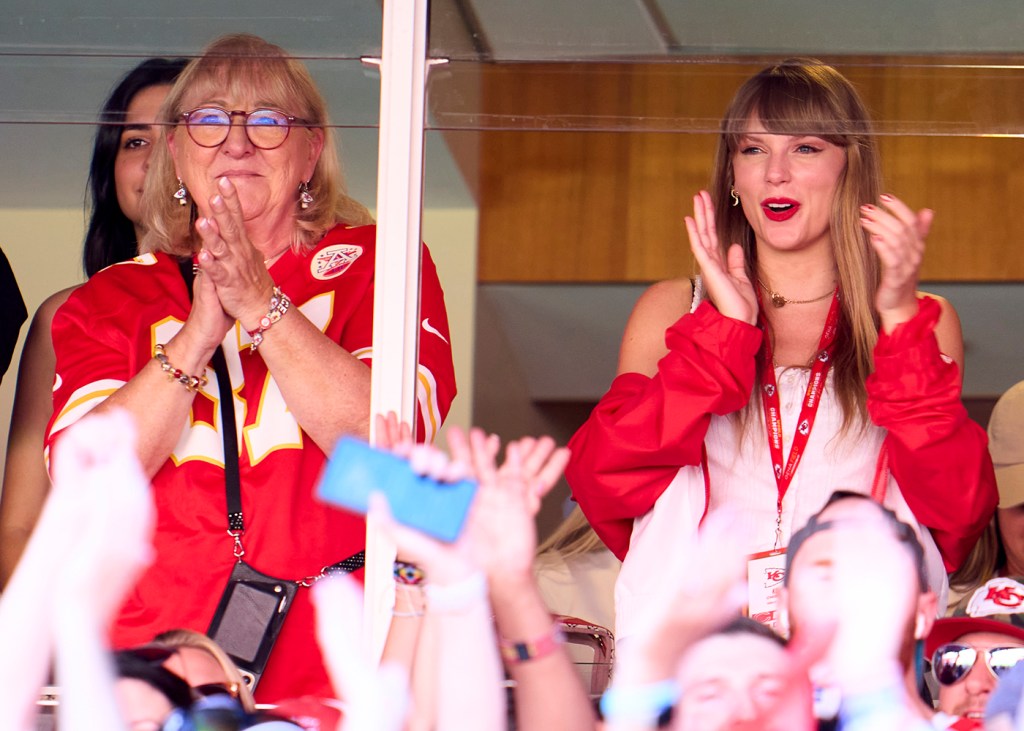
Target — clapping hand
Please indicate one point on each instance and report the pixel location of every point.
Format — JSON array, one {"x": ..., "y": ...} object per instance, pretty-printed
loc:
[
  {"x": 725, "y": 277},
  {"x": 897, "y": 235}
]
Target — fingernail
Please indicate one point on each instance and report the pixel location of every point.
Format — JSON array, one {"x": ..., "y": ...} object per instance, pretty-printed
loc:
[
  {"x": 224, "y": 184},
  {"x": 867, "y": 207},
  {"x": 203, "y": 223},
  {"x": 217, "y": 201},
  {"x": 885, "y": 197}
]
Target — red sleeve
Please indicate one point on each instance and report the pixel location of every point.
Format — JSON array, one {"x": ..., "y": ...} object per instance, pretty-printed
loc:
[
  {"x": 937, "y": 454},
  {"x": 644, "y": 429},
  {"x": 435, "y": 376},
  {"x": 435, "y": 371}
]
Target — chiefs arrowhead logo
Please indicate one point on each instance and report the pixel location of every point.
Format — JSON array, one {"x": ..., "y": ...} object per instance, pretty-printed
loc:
[{"x": 333, "y": 261}]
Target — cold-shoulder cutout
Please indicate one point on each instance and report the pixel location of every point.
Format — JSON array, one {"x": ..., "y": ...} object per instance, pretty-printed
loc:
[
  {"x": 659, "y": 307},
  {"x": 948, "y": 331}
]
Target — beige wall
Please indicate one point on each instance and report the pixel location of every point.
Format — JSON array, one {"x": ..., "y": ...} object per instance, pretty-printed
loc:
[{"x": 44, "y": 248}]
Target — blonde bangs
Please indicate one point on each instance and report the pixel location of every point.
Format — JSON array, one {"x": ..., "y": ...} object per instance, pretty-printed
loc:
[{"x": 243, "y": 66}]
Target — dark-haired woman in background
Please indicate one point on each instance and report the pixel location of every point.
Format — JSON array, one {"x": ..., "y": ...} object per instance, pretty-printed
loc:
[{"x": 120, "y": 158}]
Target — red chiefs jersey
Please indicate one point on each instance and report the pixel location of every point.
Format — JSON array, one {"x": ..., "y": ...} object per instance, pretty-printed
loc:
[{"x": 106, "y": 333}]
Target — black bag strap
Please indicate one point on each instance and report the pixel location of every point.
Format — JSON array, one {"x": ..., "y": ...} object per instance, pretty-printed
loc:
[{"x": 229, "y": 433}]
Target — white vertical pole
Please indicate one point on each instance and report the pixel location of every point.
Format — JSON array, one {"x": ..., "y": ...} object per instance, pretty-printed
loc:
[{"x": 396, "y": 290}]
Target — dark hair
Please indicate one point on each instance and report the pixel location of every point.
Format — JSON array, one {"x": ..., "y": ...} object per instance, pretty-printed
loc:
[
  {"x": 139, "y": 666},
  {"x": 748, "y": 626},
  {"x": 904, "y": 533},
  {"x": 110, "y": 237}
]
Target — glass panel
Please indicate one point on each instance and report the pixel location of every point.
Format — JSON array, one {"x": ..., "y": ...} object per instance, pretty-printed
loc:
[
  {"x": 57, "y": 67},
  {"x": 531, "y": 30},
  {"x": 919, "y": 96}
]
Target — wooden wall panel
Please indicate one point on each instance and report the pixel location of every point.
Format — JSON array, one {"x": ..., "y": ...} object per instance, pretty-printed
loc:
[{"x": 561, "y": 204}]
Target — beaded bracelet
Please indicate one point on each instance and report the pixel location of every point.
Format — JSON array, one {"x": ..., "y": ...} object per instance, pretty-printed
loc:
[
  {"x": 517, "y": 652},
  {"x": 279, "y": 304},
  {"x": 191, "y": 383},
  {"x": 408, "y": 573}
]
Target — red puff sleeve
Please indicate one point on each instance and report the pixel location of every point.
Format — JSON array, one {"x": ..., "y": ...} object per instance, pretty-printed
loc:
[
  {"x": 937, "y": 454},
  {"x": 644, "y": 429}
]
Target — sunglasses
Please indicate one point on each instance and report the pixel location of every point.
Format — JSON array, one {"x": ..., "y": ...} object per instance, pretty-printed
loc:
[
  {"x": 267, "y": 129},
  {"x": 952, "y": 662}
]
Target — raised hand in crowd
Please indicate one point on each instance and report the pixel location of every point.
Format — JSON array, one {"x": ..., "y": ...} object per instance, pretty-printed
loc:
[
  {"x": 91, "y": 543},
  {"x": 495, "y": 553},
  {"x": 376, "y": 698}
]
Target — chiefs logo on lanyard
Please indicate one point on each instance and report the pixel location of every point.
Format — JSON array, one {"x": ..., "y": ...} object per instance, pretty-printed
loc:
[{"x": 809, "y": 408}]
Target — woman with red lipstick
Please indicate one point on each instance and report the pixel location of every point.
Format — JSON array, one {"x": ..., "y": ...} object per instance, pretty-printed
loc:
[
  {"x": 801, "y": 361},
  {"x": 256, "y": 260}
]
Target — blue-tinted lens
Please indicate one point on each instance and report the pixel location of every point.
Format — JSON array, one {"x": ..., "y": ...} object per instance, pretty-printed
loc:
[
  {"x": 209, "y": 116},
  {"x": 267, "y": 117},
  {"x": 208, "y": 126}
]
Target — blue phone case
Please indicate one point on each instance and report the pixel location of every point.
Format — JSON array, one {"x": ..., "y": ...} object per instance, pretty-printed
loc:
[{"x": 356, "y": 469}]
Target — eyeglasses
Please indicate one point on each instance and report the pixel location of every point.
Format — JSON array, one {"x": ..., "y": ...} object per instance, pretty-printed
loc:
[
  {"x": 952, "y": 662},
  {"x": 267, "y": 129}
]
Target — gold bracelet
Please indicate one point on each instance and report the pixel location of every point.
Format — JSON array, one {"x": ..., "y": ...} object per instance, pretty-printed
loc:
[{"x": 191, "y": 383}]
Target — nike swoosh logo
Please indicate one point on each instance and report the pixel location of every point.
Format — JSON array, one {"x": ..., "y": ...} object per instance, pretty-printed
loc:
[{"x": 431, "y": 329}]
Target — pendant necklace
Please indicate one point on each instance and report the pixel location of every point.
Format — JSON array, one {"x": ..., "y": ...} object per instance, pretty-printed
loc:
[{"x": 778, "y": 300}]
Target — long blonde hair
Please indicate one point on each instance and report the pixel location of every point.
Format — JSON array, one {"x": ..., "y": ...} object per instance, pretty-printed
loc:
[
  {"x": 242, "y": 63},
  {"x": 807, "y": 97},
  {"x": 574, "y": 536}
]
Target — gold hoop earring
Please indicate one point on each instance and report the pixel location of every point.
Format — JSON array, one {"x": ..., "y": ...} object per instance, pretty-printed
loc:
[{"x": 735, "y": 196}]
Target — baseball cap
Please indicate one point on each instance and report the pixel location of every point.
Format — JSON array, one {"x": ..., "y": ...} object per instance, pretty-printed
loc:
[
  {"x": 996, "y": 606},
  {"x": 1006, "y": 445}
]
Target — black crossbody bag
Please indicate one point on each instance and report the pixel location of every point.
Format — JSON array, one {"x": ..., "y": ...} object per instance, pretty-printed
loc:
[{"x": 253, "y": 606}]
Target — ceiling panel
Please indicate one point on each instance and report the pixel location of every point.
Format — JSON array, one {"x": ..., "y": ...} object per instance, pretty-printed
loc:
[
  {"x": 335, "y": 28},
  {"x": 867, "y": 26},
  {"x": 565, "y": 29}
]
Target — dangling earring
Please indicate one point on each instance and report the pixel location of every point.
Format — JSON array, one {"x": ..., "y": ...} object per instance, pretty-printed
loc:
[
  {"x": 305, "y": 197},
  {"x": 181, "y": 195},
  {"x": 735, "y": 196}
]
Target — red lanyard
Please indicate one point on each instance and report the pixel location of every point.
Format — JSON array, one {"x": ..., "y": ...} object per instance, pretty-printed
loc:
[{"x": 809, "y": 409}]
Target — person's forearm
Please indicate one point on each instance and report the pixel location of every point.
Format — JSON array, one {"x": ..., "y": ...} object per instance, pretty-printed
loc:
[
  {"x": 470, "y": 696},
  {"x": 26, "y": 483},
  {"x": 644, "y": 429},
  {"x": 326, "y": 388},
  {"x": 85, "y": 672},
  {"x": 937, "y": 454},
  {"x": 549, "y": 692},
  {"x": 406, "y": 622},
  {"x": 25, "y": 634},
  {"x": 160, "y": 407}
]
